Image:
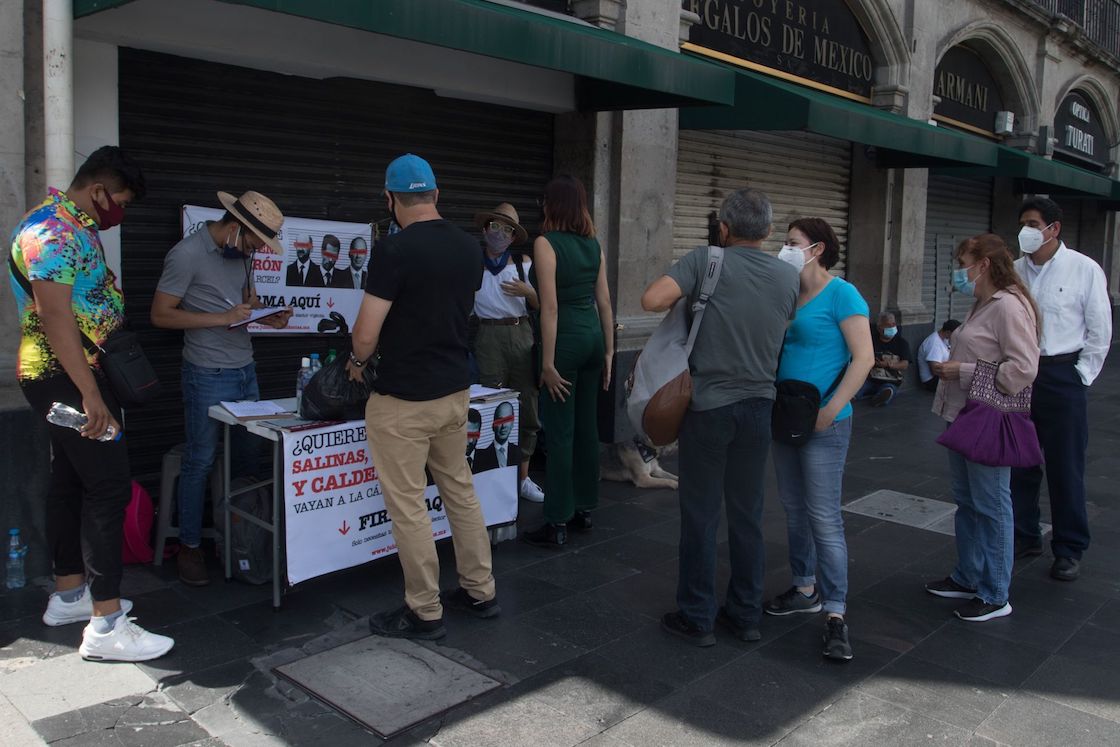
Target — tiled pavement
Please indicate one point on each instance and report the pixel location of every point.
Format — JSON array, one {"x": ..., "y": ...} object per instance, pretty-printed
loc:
[{"x": 584, "y": 661}]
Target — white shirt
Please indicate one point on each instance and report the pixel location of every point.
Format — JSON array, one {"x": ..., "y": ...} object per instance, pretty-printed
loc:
[
  {"x": 356, "y": 279},
  {"x": 500, "y": 450},
  {"x": 1072, "y": 294},
  {"x": 934, "y": 349},
  {"x": 491, "y": 303}
]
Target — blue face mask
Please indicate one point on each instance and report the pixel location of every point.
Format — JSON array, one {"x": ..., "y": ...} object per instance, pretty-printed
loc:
[
  {"x": 233, "y": 252},
  {"x": 890, "y": 332},
  {"x": 961, "y": 282}
]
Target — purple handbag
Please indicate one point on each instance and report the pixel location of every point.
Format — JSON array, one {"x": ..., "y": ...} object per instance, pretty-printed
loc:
[{"x": 993, "y": 428}]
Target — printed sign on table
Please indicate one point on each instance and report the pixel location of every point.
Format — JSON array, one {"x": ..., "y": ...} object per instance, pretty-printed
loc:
[
  {"x": 321, "y": 275},
  {"x": 335, "y": 513}
]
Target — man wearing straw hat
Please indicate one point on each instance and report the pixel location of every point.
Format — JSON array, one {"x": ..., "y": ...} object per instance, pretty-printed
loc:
[
  {"x": 504, "y": 345},
  {"x": 207, "y": 285}
]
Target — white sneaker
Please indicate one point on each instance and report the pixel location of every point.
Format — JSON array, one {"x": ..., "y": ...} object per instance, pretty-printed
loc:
[
  {"x": 531, "y": 492},
  {"x": 125, "y": 642},
  {"x": 65, "y": 613}
]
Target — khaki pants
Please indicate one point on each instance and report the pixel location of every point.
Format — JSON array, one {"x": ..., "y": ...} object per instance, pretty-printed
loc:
[
  {"x": 505, "y": 359},
  {"x": 403, "y": 437}
]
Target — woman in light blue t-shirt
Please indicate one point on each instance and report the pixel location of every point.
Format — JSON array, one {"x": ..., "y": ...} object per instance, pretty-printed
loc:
[{"x": 831, "y": 329}]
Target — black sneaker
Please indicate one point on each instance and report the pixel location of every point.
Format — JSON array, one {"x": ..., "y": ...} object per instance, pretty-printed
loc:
[
  {"x": 1027, "y": 549},
  {"x": 461, "y": 599},
  {"x": 836, "y": 644},
  {"x": 949, "y": 589},
  {"x": 403, "y": 623},
  {"x": 979, "y": 611},
  {"x": 581, "y": 522},
  {"x": 552, "y": 536},
  {"x": 748, "y": 633},
  {"x": 882, "y": 397},
  {"x": 789, "y": 602},
  {"x": 675, "y": 623}
]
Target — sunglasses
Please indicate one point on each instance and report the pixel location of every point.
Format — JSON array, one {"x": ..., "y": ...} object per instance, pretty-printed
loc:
[{"x": 497, "y": 226}]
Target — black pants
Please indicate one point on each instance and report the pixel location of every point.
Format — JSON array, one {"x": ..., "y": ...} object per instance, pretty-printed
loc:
[
  {"x": 89, "y": 491},
  {"x": 1059, "y": 407}
]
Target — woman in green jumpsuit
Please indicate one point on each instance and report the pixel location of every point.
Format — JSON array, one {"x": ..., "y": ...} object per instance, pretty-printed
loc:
[{"x": 577, "y": 346}]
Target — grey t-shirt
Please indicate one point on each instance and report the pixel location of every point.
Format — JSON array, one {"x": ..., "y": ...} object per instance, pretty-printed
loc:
[
  {"x": 195, "y": 271},
  {"x": 736, "y": 351}
]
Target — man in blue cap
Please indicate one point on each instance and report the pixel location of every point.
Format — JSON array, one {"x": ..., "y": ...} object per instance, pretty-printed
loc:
[{"x": 419, "y": 292}]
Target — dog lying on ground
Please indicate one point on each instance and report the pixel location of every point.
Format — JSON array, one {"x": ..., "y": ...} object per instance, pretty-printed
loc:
[{"x": 632, "y": 461}]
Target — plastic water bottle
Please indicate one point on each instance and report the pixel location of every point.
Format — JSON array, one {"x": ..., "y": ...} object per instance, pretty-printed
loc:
[
  {"x": 302, "y": 379},
  {"x": 316, "y": 364},
  {"x": 67, "y": 416},
  {"x": 16, "y": 578},
  {"x": 331, "y": 355}
]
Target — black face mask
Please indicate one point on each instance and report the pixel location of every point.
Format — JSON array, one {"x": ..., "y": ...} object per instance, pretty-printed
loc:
[{"x": 393, "y": 215}]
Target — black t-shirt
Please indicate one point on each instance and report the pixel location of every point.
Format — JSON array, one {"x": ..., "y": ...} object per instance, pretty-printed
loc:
[
  {"x": 895, "y": 345},
  {"x": 430, "y": 271}
]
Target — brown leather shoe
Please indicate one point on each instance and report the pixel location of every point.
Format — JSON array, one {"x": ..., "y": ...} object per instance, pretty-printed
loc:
[{"x": 192, "y": 566}]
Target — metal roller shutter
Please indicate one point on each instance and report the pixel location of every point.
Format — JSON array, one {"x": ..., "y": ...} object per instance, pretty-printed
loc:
[
  {"x": 956, "y": 209},
  {"x": 318, "y": 148},
  {"x": 1071, "y": 224},
  {"x": 804, "y": 175}
]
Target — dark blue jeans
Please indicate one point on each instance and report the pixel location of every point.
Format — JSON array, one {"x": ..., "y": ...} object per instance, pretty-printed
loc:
[
  {"x": 1059, "y": 408},
  {"x": 723, "y": 458}
]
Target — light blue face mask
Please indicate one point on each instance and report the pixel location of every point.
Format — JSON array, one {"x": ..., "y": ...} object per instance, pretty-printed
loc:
[
  {"x": 961, "y": 282},
  {"x": 890, "y": 332}
]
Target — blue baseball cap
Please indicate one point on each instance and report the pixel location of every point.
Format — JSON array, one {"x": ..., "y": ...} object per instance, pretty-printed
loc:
[{"x": 409, "y": 173}]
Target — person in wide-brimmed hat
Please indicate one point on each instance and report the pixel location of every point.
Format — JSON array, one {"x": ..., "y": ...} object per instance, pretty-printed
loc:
[
  {"x": 503, "y": 348},
  {"x": 206, "y": 286}
]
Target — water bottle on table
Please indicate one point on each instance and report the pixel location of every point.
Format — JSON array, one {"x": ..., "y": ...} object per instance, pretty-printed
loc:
[
  {"x": 316, "y": 364},
  {"x": 302, "y": 378},
  {"x": 16, "y": 578},
  {"x": 68, "y": 417}
]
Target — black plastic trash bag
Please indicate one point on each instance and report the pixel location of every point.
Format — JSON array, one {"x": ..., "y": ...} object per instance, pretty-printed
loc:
[{"x": 332, "y": 395}]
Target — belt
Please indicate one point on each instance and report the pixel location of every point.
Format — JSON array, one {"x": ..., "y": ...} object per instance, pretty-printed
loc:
[
  {"x": 509, "y": 321},
  {"x": 1063, "y": 358}
]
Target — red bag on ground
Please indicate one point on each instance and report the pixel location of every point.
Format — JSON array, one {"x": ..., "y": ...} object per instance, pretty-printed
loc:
[{"x": 136, "y": 546}]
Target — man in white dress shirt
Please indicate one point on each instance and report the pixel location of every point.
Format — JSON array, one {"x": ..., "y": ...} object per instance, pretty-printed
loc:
[
  {"x": 1072, "y": 293},
  {"x": 934, "y": 349}
]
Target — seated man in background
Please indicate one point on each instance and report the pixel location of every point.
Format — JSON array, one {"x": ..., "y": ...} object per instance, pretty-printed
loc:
[
  {"x": 934, "y": 349},
  {"x": 892, "y": 358}
]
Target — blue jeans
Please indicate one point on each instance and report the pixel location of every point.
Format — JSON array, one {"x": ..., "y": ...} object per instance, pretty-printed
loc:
[
  {"x": 809, "y": 483},
  {"x": 202, "y": 388},
  {"x": 871, "y": 387},
  {"x": 723, "y": 458},
  {"x": 984, "y": 526}
]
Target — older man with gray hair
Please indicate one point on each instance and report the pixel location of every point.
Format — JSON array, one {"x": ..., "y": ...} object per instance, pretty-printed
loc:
[{"x": 725, "y": 437}]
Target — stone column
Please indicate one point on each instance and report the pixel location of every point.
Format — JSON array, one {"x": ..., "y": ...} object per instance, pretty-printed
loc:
[{"x": 12, "y": 155}]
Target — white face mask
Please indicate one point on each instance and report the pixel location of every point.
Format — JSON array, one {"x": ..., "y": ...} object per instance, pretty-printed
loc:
[
  {"x": 1031, "y": 239},
  {"x": 792, "y": 255}
]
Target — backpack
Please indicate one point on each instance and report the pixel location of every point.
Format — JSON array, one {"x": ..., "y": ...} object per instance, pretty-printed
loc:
[
  {"x": 250, "y": 545},
  {"x": 659, "y": 388}
]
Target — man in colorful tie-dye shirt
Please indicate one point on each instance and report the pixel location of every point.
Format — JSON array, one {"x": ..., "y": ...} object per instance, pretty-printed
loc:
[{"x": 64, "y": 290}]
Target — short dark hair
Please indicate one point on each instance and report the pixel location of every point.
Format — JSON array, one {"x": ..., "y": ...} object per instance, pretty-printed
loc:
[
  {"x": 474, "y": 416},
  {"x": 330, "y": 240},
  {"x": 565, "y": 206},
  {"x": 950, "y": 325},
  {"x": 817, "y": 230},
  {"x": 1046, "y": 207},
  {"x": 110, "y": 166},
  {"x": 408, "y": 199}
]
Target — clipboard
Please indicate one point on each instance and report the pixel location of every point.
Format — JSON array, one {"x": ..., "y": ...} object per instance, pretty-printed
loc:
[{"x": 257, "y": 314}]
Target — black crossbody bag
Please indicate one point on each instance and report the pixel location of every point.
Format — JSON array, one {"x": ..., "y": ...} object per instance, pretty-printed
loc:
[
  {"x": 127, "y": 369},
  {"x": 796, "y": 407}
]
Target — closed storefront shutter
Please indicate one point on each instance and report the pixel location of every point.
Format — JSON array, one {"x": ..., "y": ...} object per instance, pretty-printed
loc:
[
  {"x": 1071, "y": 225},
  {"x": 319, "y": 148},
  {"x": 804, "y": 175},
  {"x": 957, "y": 209}
]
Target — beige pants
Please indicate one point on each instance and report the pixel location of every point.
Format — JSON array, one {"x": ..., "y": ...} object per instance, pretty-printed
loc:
[{"x": 403, "y": 437}]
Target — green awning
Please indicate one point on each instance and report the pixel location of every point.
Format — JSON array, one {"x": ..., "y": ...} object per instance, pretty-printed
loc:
[
  {"x": 1037, "y": 175},
  {"x": 613, "y": 71},
  {"x": 766, "y": 103}
]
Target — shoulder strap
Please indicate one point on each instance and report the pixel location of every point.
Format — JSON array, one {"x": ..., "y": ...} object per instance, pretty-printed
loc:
[
  {"x": 707, "y": 287},
  {"x": 837, "y": 380},
  {"x": 518, "y": 258},
  {"x": 25, "y": 284}
]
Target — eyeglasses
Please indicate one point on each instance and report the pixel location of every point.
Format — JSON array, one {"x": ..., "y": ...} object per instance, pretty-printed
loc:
[{"x": 494, "y": 225}]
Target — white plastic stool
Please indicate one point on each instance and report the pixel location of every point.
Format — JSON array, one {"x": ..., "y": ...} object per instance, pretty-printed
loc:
[{"x": 168, "y": 492}]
